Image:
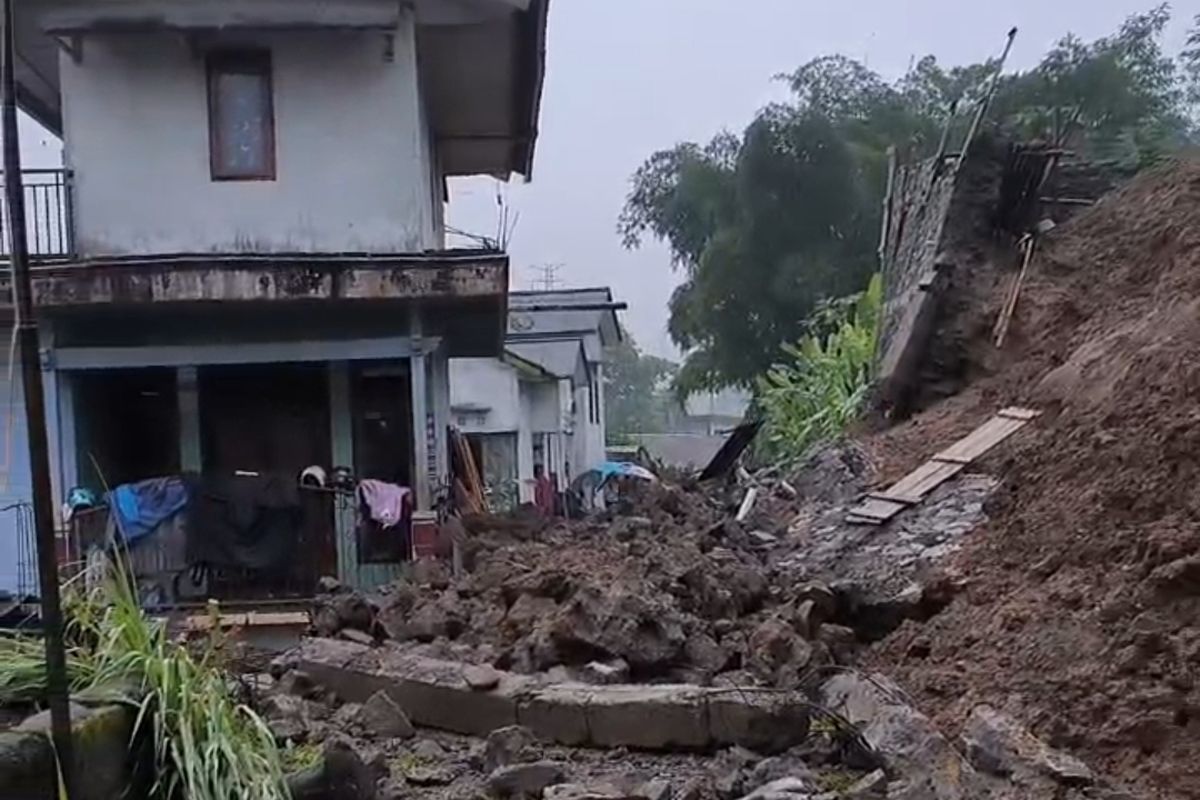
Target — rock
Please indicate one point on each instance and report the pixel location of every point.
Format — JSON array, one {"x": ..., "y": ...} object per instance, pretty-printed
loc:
[
  {"x": 341, "y": 775},
  {"x": 606, "y": 672},
  {"x": 702, "y": 651},
  {"x": 774, "y": 645},
  {"x": 298, "y": 683},
  {"x": 428, "y": 776},
  {"x": 328, "y": 584},
  {"x": 922, "y": 762},
  {"x": 579, "y": 791},
  {"x": 481, "y": 678},
  {"x": 286, "y": 716},
  {"x": 777, "y": 768},
  {"x": 841, "y": 641},
  {"x": 393, "y": 790},
  {"x": 356, "y": 636},
  {"x": 625, "y": 529},
  {"x": 869, "y": 787},
  {"x": 383, "y": 718},
  {"x": 763, "y": 539},
  {"x": 347, "y": 716},
  {"x": 730, "y": 785},
  {"x": 283, "y": 663},
  {"x": 695, "y": 789},
  {"x": 806, "y": 619},
  {"x": 428, "y": 750},
  {"x": 432, "y": 573},
  {"x": 653, "y": 790},
  {"x": 528, "y": 609},
  {"x": 507, "y": 746},
  {"x": 334, "y": 612},
  {"x": 430, "y": 621},
  {"x": 1000, "y": 745},
  {"x": 524, "y": 780},
  {"x": 618, "y": 624},
  {"x": 1180, "y": 577},
  {"x": 783, "y": 789}
]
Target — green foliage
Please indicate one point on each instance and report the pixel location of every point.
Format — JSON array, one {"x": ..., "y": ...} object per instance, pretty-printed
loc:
[
  {"x": 206, "y": 745},
  {"x": 636, "y": 396},
  {"x": 813, "y": 396},
  {"x": 766, "y": 226}
]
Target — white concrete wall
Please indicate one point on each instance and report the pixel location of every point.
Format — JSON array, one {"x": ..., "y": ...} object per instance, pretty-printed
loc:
[
  {"x": 525, "y": 446},
  {"x": 484, "y": 382},
  {"x": 355, "y": 164},
  {"x": 544, "y": 416}
]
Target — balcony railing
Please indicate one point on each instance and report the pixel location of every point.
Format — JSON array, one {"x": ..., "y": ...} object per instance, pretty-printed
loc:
[{"x": 49, "y": 223}]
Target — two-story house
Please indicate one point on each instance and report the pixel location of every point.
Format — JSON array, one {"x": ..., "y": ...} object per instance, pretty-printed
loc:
[{"x": 242, "y": 264}]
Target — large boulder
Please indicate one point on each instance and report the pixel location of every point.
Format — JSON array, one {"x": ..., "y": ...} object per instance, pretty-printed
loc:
[
  {"x": 924, "y": 764},
  {"x": 998, "y": 744}
]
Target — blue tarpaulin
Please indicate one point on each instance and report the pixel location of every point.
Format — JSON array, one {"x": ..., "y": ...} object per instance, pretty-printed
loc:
[{"x": 139, "y": 508}]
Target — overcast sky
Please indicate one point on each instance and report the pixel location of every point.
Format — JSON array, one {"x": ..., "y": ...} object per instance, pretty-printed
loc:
[{"x": 628, "y": 77}]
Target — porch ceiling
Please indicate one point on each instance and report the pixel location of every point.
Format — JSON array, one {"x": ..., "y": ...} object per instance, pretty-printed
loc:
[{"x": 188, "y": 279}]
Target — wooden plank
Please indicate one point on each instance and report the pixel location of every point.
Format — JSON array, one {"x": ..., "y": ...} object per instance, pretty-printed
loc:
[
  {"x": 908, "y": 500},
  {"x": 1016, "y": 412},
  {"x": 924, "y": 479},
  {"x": 982, "y": 439},
  {"x": 882, "y": 510},
  {"x": 855, "y": 519}
]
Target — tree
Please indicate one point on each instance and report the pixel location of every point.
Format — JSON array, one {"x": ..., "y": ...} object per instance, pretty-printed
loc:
[
  {"x": 766, "y": 225},
  {"x": 636, "y": 395}
]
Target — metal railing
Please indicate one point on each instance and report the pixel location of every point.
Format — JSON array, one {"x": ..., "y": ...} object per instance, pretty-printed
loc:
[{"x": 49, "y": 221}]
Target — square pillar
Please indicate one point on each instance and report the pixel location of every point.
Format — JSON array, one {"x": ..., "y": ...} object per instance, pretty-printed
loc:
[{"x": 187, "y": 388}]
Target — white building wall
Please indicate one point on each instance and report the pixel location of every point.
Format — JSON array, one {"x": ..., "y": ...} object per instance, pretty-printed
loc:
[
  {"x": 484, "y": 382},
  {"x": 354, "y": 157}
]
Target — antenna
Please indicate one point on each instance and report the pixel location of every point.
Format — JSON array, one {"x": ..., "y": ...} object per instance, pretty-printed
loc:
[{"x": 547, "y": 277}]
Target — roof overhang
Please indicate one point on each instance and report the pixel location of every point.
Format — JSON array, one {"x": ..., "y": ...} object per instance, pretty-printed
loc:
[{"x": 482, "y": 61}]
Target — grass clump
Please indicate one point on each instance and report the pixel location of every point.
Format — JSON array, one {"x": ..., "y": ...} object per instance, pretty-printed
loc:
[{"x": 207, "y": 746}]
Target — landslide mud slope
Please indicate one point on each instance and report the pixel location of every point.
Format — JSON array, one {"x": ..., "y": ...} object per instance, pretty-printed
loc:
[{"x": 1082, "y": 608}]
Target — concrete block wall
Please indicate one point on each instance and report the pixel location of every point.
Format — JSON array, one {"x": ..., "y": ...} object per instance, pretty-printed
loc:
[{"x": 102, "y": 736}]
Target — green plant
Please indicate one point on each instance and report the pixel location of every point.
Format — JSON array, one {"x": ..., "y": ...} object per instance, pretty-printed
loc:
[
  {"x": 813, "y": 397},
  {"x": 206, "y": 745}
]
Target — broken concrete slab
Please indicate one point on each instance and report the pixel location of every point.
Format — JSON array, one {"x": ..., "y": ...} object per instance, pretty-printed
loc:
[
  {"x": 764, "y": 721},
  {"x": 656, "y": 717},
  {"x": 433, "y": 693}
]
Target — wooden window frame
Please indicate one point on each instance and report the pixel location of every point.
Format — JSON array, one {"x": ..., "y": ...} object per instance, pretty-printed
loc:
[{"x": 240, "y": 62}]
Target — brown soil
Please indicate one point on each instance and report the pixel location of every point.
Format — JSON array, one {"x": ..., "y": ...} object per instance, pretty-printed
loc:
[{"x": 1082, "y": 608}]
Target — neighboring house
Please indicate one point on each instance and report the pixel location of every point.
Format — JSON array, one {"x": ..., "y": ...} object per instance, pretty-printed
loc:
[
  {"x": 710, "y": 413},
  {"x": 542, "y": 401},
  {"x": 243, "y": 265}
]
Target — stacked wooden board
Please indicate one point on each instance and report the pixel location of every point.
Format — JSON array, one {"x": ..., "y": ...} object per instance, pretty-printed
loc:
[{"x": 917, "y": 485}]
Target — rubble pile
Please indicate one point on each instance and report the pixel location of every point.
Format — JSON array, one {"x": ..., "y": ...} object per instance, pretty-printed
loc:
[
  {"x": 1080, "y": 603},
  {"x": 671, "y": 588}
]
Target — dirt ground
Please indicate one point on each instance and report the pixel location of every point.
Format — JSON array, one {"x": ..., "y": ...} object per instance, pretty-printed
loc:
[{"x": 1081, "y": 612}]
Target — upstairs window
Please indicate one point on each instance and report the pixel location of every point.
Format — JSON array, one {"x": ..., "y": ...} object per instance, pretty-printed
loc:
[{"x": 241, "y": 116}]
